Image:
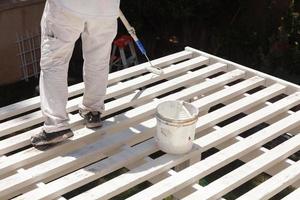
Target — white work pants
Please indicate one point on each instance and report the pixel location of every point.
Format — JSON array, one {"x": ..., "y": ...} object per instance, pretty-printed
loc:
[{"x": 60, "y": 30}]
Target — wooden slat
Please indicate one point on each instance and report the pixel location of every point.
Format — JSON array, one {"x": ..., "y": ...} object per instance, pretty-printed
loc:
[
  {"x": 138, "y": 179},
  {"x": 275, "y": 184},
  {"x": 242, "y": 104},
  {"x": 179, "y": 195},
  {"x": 270, "y": 79},
  {"x": 249, "y": 170},
  {"x": 227, "y": 90},
  {"x": 88, "y": 174},
  {"x": 124, "y": 140},
  {"x": 72, "y": 161},
  {"x": 193, "y": 173},
  {"x": 139, "y": 69},
  {"x": 60, "y": 164},
  {"x": 108, "y": 190},
  {"x": 255, "y": 153},
  {"x": 131, "y": 100},
  {"x": 293, "y": 196},
  {"x": 185, "y": 191},
  {"x": 251, "y": 120},
  {"x": 140, "y": 81},
  {"x": 126, "y": 120},
  {"x": 37, "y": 185},
  {"x": 33, "y": 103},
  {"x": 118, "y": 183},
  {"x": 221, "y": 96},
  {"x": 112, "y": 91},
  {"x": 140, "y": 96}
]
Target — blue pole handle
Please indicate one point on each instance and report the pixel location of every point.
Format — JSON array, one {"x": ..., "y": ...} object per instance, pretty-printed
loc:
[{"x": 140, "y": 46}]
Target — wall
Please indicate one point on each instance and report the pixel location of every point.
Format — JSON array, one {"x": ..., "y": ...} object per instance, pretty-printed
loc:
[{"x": 16, "y": 17}]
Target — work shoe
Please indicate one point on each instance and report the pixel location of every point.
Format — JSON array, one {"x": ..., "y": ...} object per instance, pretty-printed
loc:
[
  {"x": 44, "y": 138},
  {"x": 92, "y": 119}
]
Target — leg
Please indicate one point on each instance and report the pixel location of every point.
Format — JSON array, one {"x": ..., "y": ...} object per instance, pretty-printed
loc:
[
  {"x": 123, "y": 58},
  {"x": 60, "y": 30},
  {"x": 96, "y": 44}
]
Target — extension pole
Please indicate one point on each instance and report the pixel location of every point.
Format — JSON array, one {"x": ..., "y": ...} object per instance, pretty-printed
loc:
[{"x": 132, "y": 33}]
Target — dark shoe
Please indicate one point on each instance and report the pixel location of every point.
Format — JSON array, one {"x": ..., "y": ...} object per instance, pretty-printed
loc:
[
  {"x": 92, "y": 119},
  {"x": 44, "y": 138}
]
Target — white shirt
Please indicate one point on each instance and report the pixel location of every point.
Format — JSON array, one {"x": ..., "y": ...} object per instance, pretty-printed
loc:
[{"x": 92, "y": 8}]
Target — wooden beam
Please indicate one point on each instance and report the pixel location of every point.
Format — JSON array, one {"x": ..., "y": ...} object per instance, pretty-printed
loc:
[
  {"x": 249, "y": 170},
  {"x": 147, "y": 173},
  {"x": 291, "y": 87},
  {"x": 250, "y": 120},
  {"x": 33, "y": 103},
  {"x": 125, "y": 139},
  {"x": 293, "y": 195},
  {"x": 242, "y": 104},
  {"x": 193, "y": 173},
  {"x": 92, "y": 172},
  {"x": 64, "y": 163},
  {"x": 132, "y": 100},
  {"x": 112, "y": 91},
  {"x": 275, "y": 184},
  {"x": 259, "y": 151},
  {"x": 129, "y": 118}
]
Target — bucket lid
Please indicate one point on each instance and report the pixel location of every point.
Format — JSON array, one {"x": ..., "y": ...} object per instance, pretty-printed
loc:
[{"x": 177, "y": 112}]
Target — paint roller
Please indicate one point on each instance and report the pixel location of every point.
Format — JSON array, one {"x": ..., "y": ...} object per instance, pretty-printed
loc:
[{"x": 131, "y": 31}]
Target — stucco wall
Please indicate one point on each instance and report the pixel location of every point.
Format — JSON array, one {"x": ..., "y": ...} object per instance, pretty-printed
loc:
[{"x": 16, "y": 17}]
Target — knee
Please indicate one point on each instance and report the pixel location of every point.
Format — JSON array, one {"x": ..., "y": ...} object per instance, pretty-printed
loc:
[{"x": 55, "y": 55}]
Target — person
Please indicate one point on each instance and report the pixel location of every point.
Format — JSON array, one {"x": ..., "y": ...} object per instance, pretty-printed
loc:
[{"x": 63, "y": 22}]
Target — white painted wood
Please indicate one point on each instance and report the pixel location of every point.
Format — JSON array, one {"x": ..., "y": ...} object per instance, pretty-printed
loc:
[
  {"x": 74, "y": 160},
  {"x": 22, "y": 140},
  {"x": 121, "y": 121},
  {"x": 295, "y": 131},
  {"x": 2, "y": 157},
  {"x": 137, "y": 125},
  {"x": 250, "y": 121},
  {"x": 193, "y": 173},
  {"x": 139, "y": 69},
  {"x": 241, "y": 105},
  {"x": 271, "y": 79},
  {"x": 261, "y": 150},
  {"x": 124, "y": 102},
  {"x": 249, "y": 170},
  {"x": 112, "y": 91},
  {"x": 228, "y": 89},
  {"x": 108, "y": 190},
  {"x": 21, "y": 137},
  {"x": 228, "y": 94},
  {"x": 41, "y": 185},
  {"x": 179, "y": 195},
  {"x": 92, "y": 172},
  {"x": 293, "y": 196},
  {"x": 140, "y": 81},
  {"x": 29, "y": 104},
  {"x": 283, "y": 115},
  {"x": 20, "y": 107},
  {"x": 181, "y": 166},
  {"x": 275, "y": 184},
  {"x": 53, "y": 163},
  {"x": 150, "y": 172},
  {"x": 31, "y": 187},
  {"x": 140, "y": 97}
]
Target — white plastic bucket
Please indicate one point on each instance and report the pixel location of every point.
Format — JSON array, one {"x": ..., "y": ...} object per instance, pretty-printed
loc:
[{"x": 176, "y": 124}]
